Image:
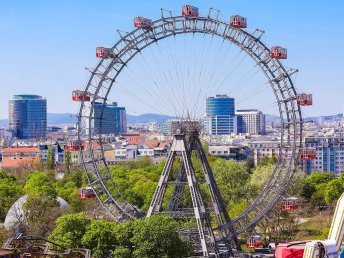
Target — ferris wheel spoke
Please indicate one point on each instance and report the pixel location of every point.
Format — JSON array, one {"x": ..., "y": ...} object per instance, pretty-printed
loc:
[
  {"x": 220, "y": 67},
  {"x": 167, "y": 89},
  {"x": 241, "y": 83},
  {"x": 210, "y": 69},
  {"x": 175, "y": 75},
  {"x": 170, "y": 85},
  {"x": 230, "y": 73},
  {"x": 159, "y": 90},
  {"x": 153, "y": 92},
  {"x": 248, "y": 96},
  {"x": 203, "y": 72},
  {"x": 140, "y": 101}
]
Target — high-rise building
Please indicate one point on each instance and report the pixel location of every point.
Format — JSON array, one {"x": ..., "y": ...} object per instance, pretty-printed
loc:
[
  {"x": 329, "y": 152},
  {"x": 28, "y": 116},
  {"x": 166, "y": 127},
  {"x": 107, "y": 119},
  {"x": 220, "y": 115},
  {"x": 250, "y": 121}
]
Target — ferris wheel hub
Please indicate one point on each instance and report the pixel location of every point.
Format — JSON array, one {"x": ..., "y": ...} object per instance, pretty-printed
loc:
[{"x": 186, "y": 127}]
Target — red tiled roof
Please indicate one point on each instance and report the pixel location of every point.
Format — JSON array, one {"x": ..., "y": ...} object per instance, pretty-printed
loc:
[
  {"x": 133, "y": 136},
  {"x": 133, "y": 141},
  {"x": 19, "y": 149},
  {"x": 8, "y": 162},
  {"x": 153, "y": 143},
  {"x": 164, "y": 143}
]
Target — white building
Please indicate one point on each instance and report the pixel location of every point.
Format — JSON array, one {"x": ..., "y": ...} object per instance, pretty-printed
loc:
[
  {"x": 251, "y": 121},
  {"x": 262, "y": 148},
  {"x": 330, "y": 154}
]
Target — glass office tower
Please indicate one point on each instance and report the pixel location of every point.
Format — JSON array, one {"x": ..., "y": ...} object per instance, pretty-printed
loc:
[
  {"x": 220, "y": 115},
  {"x": 28, "y": 116},
  {"x": 109, "y": 119}
]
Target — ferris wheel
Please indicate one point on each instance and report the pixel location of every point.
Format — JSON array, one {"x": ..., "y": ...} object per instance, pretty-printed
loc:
[{"x": 169, "y": 72}]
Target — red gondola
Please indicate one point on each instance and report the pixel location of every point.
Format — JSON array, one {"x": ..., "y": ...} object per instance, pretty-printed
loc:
[
  {"x": 86, "y": 193},
  {"x": 189, "y": 10},
  {"x": 308, "y": 154},
  {"x": 254, "y": 241},
  {"x": 79, "y": 95},
  {"x": 290, "y": 204},
  {"x": 238, "y": 21},
  {"x": 104, "y": 52},
  {"x": 144, "y": 23},
  {"x": 278, "y": 52},
  {"x": 73, "y": 146},
  {"x": 304, "y": 99}
]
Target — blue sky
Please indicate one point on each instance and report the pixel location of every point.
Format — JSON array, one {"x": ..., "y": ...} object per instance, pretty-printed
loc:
[{"x": 45, "y": 45}]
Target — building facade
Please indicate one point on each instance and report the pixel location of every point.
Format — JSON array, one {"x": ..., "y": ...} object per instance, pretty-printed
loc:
[
  {"x": 15, "y": 157},
  {"x": 220, "y": 115},
  {"x": 107, "y": 119},
  {"x": 166, "y": 127},
  {"x": 224, "y": 151},
  {"x": 330, "y": 154},
  {"x": 28, "y": 116},
  {"x": 264, "y": 149},
  {"x": 251, "y": 121}
]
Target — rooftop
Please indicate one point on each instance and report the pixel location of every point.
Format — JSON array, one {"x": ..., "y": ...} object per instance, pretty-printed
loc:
[
  {"x": 27, "y": 96},
  {"x": 20, "y": 149}
]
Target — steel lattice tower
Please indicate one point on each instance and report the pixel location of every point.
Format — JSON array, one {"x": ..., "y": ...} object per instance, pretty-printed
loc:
[{"x": 185, "y": 141}]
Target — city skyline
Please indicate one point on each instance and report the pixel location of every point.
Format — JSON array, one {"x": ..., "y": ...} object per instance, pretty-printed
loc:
[{"x": 53, "y": 53}]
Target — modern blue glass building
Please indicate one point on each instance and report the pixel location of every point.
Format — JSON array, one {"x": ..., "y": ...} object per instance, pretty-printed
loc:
[
  {"x": 220, "y": 115},
  {"x": 109, "y": 119},
  {"x": 28, "y": 116}
]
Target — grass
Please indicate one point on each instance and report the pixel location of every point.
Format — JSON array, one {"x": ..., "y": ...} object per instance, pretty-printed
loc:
[{"x": 315, "y": 227}]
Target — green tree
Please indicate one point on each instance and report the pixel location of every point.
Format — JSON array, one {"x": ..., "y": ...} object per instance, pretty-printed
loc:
[
  {"x": 41, "y": 208},
  {"x": 234, "y": 210},
  {"x": 124, "y": 234},
  {"x": 76, "y": 176},
  {"x": 122, "y": 252},
  {"x": 66, "y": 190},
  {"x": 8, "y": 176},
  {"x": 39, "y": 184},
  {"x": 50, "y": 162},
  {"x": 232, "y": 179},
  {"x": 70, "y": 230},
  {"x": 318, "y": 198},
  {"x": 249, "y": 164},
  {"x": 317, "y": 178},
  {"x": 3, "y": 236},
  {"x": 260, "y": 177},
  {"x": 41, "y": 213},
  {"x": 144, "y": 161},
  {"x": 341, "y": 178},
  {"x": 100, "y": 238},
  {"x": 10, "y": 191},
  {"x": 157, "y": 237},
  {"x": 67, "y": 160},
  {"x": 333, "y": 191},
  {"x": 308, "y": 189},
  {"x": 266, "y": 161}
]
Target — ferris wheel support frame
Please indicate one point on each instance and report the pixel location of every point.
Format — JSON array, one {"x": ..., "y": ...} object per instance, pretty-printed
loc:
[{"x": 104, "y": 76}]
